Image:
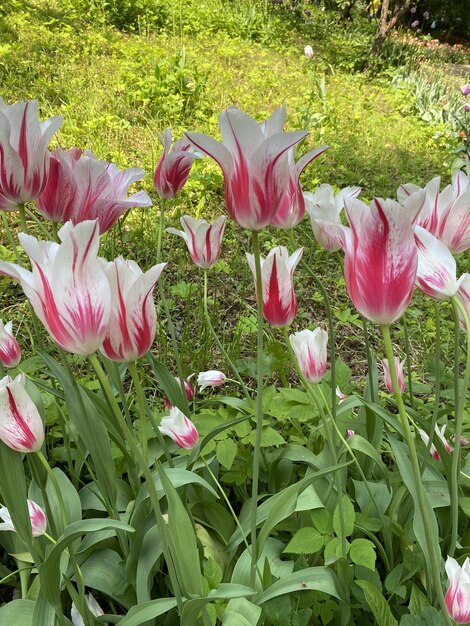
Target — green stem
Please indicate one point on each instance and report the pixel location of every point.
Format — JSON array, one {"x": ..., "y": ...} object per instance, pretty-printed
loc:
[
  {"x": 145, "y": 411},
  {"x": 134, "y": 448},
  {"x": 259, "y": 409},
  {"x": 55, "y": 484},
  {"x": 328, "y": 436},
  {"x": 22, "y": 211},
  {"x": 408, "y": 363},
  {"x": 432, "y": 541},
  {"x": 40, "y": 225},
  {"x": 219, "y": 343},
  {"x": 24, "y": 573},
  {"x": 461, "y": 394},
  {"x": 437, "y": 392}
]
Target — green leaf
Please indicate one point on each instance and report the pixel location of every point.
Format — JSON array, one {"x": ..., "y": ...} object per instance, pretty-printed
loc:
[
  {"x": 226, "y": 451},
  {"x": 168, "y": 384},
  {"x": 269, "y": 437},
  {"x": 13, "y": 490},
  {"x": 377, "y": 603},
  {"x": 464, "y": 504},
  {"x": 17, "y": 613},
  {"x": 150, "y": 552},
  {"x": 104, "y": 571},
  {"x": 226, "y": 591},
  {"x": 311, "y": 578},
  {"x": 305, "y": 541},
  {"x": 362, "y": 552},
  {"x": 349, "y": 517},
  {"x": 241, "y": 612},
  {"x": 418, "y": 601},
  {"x": 141, "y": 613},
  {"x": 212, "y": 573}
]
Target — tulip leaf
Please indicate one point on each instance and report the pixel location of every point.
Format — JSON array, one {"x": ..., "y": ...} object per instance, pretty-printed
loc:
[
  {"x": 13, "y": 490},
  {"x": 312, "y": 578},
  {"x": 104, "y": 571},
  {"x": 169, "y": 385},
  {"x": 18, "y": 612},
  {"x": 141, "y": 613},
  {"x": 224, "y": 592},
  {"x": 241, "y": 612},
  {"x": 150, "y": 552}
]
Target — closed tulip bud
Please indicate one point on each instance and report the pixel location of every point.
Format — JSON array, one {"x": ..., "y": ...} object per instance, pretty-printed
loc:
[
  {"x": 21, "y": 427},
  {"x": 399, "y": 365},
  {"x": 188, "y": 388},
  {"x": 254, "y": 163},
  {"x": 310, "y": 350},
  {"x": 36, "y": 516},
  {"x": 426, "y": 15},
  {"x": 82, "y": 187},
  {"x": 10, "y": 351},
  {"x": 440, "y": 434},
  {"x": 133, "y": 321},
  {"x": 308, "y": 51},
  {"x": 179, "y": 428},
  {"x": 67, "y": 288},
  {"x": 466, "y": 108},
  {"x": 24, "y": 158},
  {"x": 174, "y": 166},
  {"x": 350, "y": 433},
  {"x": 92, "y": 604},
  {"x": 458, "y": 594},
  {"x": 465, "y": 89},
  {"x": 211, "y": 378},
  {"x": 204, "y": 240},
  {"x": 279, "y": 301}
]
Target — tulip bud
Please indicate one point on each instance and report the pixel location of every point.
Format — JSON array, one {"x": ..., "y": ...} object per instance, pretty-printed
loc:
[
  {"x": 308, "y": 51},
  {"x": 310, "y": 350},
  {"x": 458, "y": 594},
  {"x": 211, "y": 378},
  {"x": 415, "y": 24},
  {"x": 10, "y": 351},
  {"x": 350, "y": 433},
  {"x": 399, "y": 371},
  {"x": 179, "y": 428},
  {"x": 440, "y": 433},
  {"x": 36, "y": 516},
  {"x": 204, "y": 240},
  {"x": 21, "y": 427},
  {"x": 174, "y": 166},
  {"x": 465, "y": 89}
]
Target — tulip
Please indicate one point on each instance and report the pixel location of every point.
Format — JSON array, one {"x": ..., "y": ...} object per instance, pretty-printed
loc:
[
  {"x": 82, "y": 187},
  {"x": 437, "y": 269},
  {"x": 10, "y": 351},
  {"x": 132, "y": 321},
  {"x": 440, "y": 433},
  {"x": 310, "y": 350},
  {"x": 67, "y": 288},
  {"x": 36, "y": 516},
  {"x": 380, "y": 255},
  {"x": 466, "y": 108},
  {"x": 308, "y": 51},
  {"x": 254, "y": 164},
  {"x": 415, "y": 24},
  {"x": 211, "y": 378},
  {"x": 204, "y": 240},
  {"x": 413, "y": 9},
  {"x": 446, "y": 214},
  {"x": 24, "y": 158},
  {"x": 458, "y": 593},
  {"x": 174, "y": 166},
  {"x": 463, "y": 294},
  {"x": 340, "y": 395},
  {"x": 279, "y": 302},
  {"x": 350, "y": 433},
  {"x": 399, "y": 371},
  {"x": 426, "y": 15},
  {"x": 179, "y": 428},
  {"x": 21, "y": 427},
  {"x": 188, "y": 388},
  {"x": 92, "y": 604},
  {"x": 465, "y": 89},
  {"x": 325, "y": 206},
  {"x": 292, "y": 208}
]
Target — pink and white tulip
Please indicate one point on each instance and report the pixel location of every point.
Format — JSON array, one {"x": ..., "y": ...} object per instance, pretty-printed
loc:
[
  {"x": 292, "y": 208},
  {"x": 381, "y": 257},
  {"x": 36, "y": 515},
  {"x": 21, "y": 426},
  {"x": 254, "y": 163},
  {"x": 174, "y": 166},
  {"x": 340, "y": 395},
  {"x": 399, "y": 369},
  {"x": 437, "y": 269},
  {"x": 458, "y": 594},
  {"x": 82, "y": 187},
  {"x": 92, "y": 604},
  {"x": 179, "y": 428},
  {"x": 465, "y": 89},
  {"x": 463, "y": 294},
  {"x": 439, "y": 433},
  {"x": 350, "y": 433},
  {"x": 308, "y": 51},
  {"x": 310, "y": 350},
  {"x": 10, "y": 351},
  {"x": 67, "y": 287},
  {"x": 132, "y": 321},
  {"x": 325, "y": 206},
  {"x": 204, "y": 240},
  {"x": 24, "y": 158},
  {"x": 279, "y": 301},
  {"x": 188, "y": 389},
  {"x": 211, "y": 378},
  {"x": 446, "y": 214}
]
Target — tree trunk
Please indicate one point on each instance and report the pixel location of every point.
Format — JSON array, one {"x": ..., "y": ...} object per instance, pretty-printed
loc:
[{"x": 387, "y": 21}]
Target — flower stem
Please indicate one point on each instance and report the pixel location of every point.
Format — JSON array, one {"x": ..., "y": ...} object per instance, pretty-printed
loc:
[
  {"x": 461, "y": 394},
  {"x": 219, "y": 343},
  {"x": 432, "y": 541},
  {"x": 437, "y": 368},
  {"x": 134, "y": 448},
  {"x": 408, "y": 363},
  {"x": 22, "y": 211},
  {"x": 259, "y": 409}
]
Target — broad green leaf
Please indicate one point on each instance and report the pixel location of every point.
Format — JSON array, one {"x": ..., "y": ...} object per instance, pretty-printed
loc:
[
  {"x": 104, "y": 571},
  {"x": 241, "y": 612},
  {"x": 349, "y": 517},
  {"x": 377, "y": 603},
  {"x": 17, "y": 613},
  {"x": 13, "y": 490},
  {"x": 362, "y": 552},
  {"x": 44, "y": 613},
  {"x": 182, "y": 540},
  {"x": 150, "y": 552},
  {"x": 139, "y": 614},
  {"x": 359, "y": 444},
  {"x": 313, "y": 578},
  {"x": 178, "y": 477},
  {"x": 418, "y": 600},
  {"x": 464, "y": 504},
  {"x": 226, "y": 451},
  {"x": 270, "y": 555},
  {"x": 269, "y": 437},
  {"x": 226, "y": 591},
  {"x": 305, "y": 541}
]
